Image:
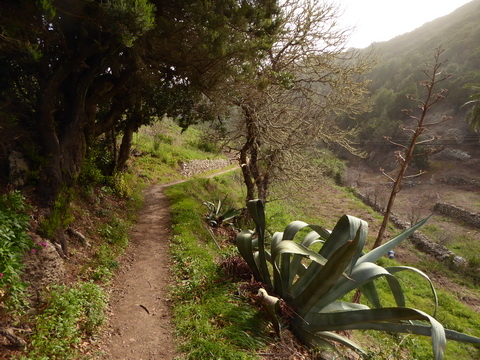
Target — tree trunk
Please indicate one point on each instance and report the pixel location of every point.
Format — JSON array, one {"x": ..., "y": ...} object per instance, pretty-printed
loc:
[
  {"x": 125, "y": 146},
  {"x": 247, "y": 179},
  {"x": 50, "y": 181},
  {"x": 63, "y": 130}
]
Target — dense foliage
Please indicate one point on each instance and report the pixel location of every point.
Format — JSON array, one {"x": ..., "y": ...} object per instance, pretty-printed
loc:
[
  {"x": 14, "y": 224},
  {"x": 77, "y": 71}
]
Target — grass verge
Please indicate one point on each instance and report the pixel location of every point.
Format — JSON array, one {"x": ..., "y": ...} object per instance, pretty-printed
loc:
[{"x": 211, "y": 318}]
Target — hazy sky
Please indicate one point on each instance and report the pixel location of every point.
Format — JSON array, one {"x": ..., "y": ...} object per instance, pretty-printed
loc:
[{"x": 381, "y": 20}]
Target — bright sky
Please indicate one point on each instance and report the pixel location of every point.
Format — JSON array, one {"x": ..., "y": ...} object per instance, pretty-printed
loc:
[{"x": 381, "y": 20}]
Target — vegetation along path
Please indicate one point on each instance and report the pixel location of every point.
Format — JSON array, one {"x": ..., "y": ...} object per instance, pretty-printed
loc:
[{"x": 140, "y": 320}]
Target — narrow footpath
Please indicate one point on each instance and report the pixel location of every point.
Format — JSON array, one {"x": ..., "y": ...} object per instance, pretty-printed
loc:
[{"x": 140, "y": 318}]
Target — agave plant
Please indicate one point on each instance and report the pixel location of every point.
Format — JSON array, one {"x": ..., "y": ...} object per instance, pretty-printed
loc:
[
  {"x": 216, "y": 217},
  {"x": 314, "y": 283}
]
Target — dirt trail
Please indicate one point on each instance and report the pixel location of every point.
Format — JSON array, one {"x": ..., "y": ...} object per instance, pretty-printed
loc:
[
  {"x": 140, "y": 322},
  {"x": 140, "y": 319}
]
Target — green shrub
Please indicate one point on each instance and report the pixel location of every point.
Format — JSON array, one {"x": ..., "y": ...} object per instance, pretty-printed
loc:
[
  {"x": 60, "y": 216},
  {"x": 161, "y": 139}
]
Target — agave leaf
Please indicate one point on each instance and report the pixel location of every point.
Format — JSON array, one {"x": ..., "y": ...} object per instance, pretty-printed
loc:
[
  {"x": 295, "y": 226},
  {"x": 458, "y": 336},
  {"x": 396, "y": 289},
  {"x": 289, "y": 234},
  {"x": 382, "y": 250},
  {"x": 277, "y": 273},
  {"x": 360, "y": 275},
  {"x": 257, "y": 212},
  {"x": 231, "y": 213},
  {"x": 370, "y": 291},
  {"x": 343, "y": 306},
  {"x": 292, "y": 229},
  {"x": 291, "y": 247},
  {"x": 395, "y": 269},
  {"x": 327, "y": 277},
  {"x": 346, "y": 229},
  {"x": 288, "y": 270},
  {"x": 245, "y": 247},
  {"x": 313, "y": 339},
  {"x": 319, "y": 339},
  {"x": 287, "y": 247},
  {"x": 381, "y": 319},
  {"x": 296, "y": 266}
]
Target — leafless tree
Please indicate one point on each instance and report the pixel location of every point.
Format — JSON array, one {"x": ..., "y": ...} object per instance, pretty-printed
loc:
[
  {"x": 289, "y": 105},
  {"x": 406, "y": 153}
]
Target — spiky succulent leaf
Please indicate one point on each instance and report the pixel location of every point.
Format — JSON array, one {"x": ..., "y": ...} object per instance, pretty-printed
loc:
[
  {"x": 360, "y": 275},
  {"x": 288, "y": 272},
  {"x": 296, "y": 266},
  {"x": 244, "y": 243},
  {"x": 345, "y": 230},
  {"x": 382, "y": 250},
  {"x": 328, "y": 276},
  {"x": 386, "y": 319},
  {"x": 257, "y": 212},
  {"x": 320, "y": 339},
  {"x": 396, "y": 269}
]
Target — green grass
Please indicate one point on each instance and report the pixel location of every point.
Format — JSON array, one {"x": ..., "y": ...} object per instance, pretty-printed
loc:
[
  {"x": 164, "y": 147},
  {"x": 203, "y": 322},
  {"x": 211, "y": 321}
]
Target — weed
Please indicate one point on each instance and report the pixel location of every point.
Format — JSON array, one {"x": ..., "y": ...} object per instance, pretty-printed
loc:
[
  {"x": 70, "y": 315},
  {"x": 60, "y": 216},
  {"x": 14, "y": 222}
]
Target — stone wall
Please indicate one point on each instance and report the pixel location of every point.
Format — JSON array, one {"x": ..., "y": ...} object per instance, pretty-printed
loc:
[
  {"x": 455, "y": 212},
  {"x": 199, "y": 166},
  {"x": 421, "y": 241}
]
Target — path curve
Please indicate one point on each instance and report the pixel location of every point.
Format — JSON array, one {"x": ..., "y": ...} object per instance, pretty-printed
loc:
[{"x": 140, "y": 318}]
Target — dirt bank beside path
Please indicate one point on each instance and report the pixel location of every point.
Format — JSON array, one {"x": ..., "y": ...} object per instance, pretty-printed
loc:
[{"x": 140, "y": 318}]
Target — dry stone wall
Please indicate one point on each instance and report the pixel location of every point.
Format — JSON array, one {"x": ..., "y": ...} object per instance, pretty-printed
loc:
[
  {"x": 455, "y": 212},
  {"x": 199, "y": 166},
  {"x": 421, "y": 241}
]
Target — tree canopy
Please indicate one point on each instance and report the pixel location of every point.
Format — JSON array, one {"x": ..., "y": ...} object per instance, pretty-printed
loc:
[{"x": 78, "y": 70}]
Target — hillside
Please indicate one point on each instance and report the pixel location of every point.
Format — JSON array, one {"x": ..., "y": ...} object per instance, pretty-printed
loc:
[
  {"x": 399, "y": 72},
  {"x": 451, "y": 161}
]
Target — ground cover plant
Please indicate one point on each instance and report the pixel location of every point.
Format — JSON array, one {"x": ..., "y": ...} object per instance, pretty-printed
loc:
[
  {"x": 69, "y": 315},
  {"x": 211, "y": 318},
  {"x": 14, "y": 223}
]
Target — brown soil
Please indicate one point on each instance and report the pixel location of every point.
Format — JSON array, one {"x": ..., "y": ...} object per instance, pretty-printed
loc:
[{"x": 140, "y": 319}]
